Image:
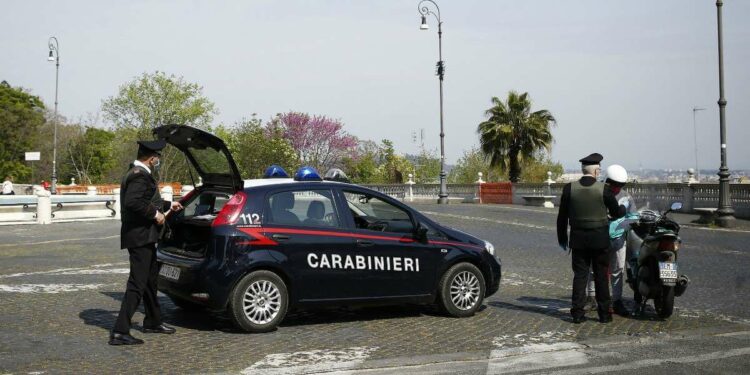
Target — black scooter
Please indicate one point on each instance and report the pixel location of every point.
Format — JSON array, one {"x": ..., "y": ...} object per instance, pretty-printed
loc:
[{"x": 653, "y": 273}]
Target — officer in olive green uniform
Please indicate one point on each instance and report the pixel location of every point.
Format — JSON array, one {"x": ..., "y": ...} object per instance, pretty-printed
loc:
[
  {"x": 584, "y": 206},
  {"x": 142, "y": 216}
]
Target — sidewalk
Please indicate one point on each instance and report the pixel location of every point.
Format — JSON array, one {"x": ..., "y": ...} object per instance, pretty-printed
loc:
[{"x": 689, "y": 219}]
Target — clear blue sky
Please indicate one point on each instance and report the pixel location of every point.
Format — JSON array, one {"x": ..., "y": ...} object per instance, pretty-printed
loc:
[{"x": 621, "y": 77}]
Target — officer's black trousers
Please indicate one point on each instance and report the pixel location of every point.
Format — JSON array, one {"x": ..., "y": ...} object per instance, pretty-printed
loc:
[
  {"x": 144, "y": 272},
  {"x": 598, "y": 261}
]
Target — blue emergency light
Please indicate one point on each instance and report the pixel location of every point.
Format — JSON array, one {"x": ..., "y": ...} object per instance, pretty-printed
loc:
[
  {"x": 275, "y": 171},
  {"x": 307, "y": 174}
]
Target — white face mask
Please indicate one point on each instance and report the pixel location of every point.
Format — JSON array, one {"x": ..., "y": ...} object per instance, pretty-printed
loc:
[{"x": 157, "y": 164}]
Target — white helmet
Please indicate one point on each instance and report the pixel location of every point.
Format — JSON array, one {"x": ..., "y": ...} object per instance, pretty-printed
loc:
[{"x": 617, "y": 173}]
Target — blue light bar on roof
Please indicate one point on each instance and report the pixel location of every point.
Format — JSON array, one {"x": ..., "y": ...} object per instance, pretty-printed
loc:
[
  {"x": 275, "y": 171},
  {"x": 307, "y": 174}
]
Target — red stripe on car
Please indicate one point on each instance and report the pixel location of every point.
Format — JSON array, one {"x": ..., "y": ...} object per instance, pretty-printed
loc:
[{"x": 260, "y": 239}]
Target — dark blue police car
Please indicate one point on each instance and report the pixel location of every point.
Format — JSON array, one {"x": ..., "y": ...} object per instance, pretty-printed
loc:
[{"x": 258, "y": 248}]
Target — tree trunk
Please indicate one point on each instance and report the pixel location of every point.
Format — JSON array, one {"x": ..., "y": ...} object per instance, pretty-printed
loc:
[{"x": 514, "y": 172}]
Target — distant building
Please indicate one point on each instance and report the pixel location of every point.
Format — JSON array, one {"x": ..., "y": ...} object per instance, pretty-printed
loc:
[{"x": 568, "y": 177}]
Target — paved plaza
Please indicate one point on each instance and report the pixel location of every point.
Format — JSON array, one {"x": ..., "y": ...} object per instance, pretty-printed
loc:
[{"x": 61, "y": 286}]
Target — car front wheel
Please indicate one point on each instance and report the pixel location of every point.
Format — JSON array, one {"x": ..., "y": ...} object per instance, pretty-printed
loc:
[
  {"x": 259, "y": 302},
  {"x": 461, "y": 290}
]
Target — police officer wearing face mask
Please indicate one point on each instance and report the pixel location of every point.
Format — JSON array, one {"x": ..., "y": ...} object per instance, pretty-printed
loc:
[
  {"x": 584, "y": 206},
  {"x": 142, "y": 215}
]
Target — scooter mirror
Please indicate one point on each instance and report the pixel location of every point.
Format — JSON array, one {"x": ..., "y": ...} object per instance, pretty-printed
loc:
[{"x": 676, "y": 206}]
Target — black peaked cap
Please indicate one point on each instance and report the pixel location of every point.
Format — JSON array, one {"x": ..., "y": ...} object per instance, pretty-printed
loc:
[
  {"x": 152, "y": 146},
  {"x": 593, "y": 159}
]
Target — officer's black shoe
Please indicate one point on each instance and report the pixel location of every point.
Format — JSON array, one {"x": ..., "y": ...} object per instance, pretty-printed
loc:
[
  {"x": 161, "y": 328},
  {"x": 605, "y": 318},
  {"x": 123, "y": 339},
  {"x": 620, "y": 309},
  {"x": 579, "y": 319}
]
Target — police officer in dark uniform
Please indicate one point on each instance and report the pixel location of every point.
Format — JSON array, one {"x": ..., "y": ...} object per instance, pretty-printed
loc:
[
  {"x": 142, "y": 216},
  {"x": 584, "y": 206}
]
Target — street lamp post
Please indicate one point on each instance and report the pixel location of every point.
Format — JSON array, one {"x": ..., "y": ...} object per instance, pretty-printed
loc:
[
  {"x": 725, "y": 213},
  {"x": 54, "y": 55},
  {"x": 424, "y": 10},
  {"x": 695, "y": 138}
]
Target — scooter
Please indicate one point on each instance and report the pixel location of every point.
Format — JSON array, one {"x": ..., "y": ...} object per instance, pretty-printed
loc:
[{"x": 653, "y": 245}]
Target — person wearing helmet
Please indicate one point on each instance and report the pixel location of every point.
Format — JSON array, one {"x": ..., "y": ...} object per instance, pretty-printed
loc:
[
  {"x": 616, "y": 178},
  {"x": 585, "y": 206}
]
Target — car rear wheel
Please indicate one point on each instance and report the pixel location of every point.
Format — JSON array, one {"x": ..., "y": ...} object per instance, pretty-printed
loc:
[
  {"x": 259, "y": 302},
  {"x": 461, "y": 290}
]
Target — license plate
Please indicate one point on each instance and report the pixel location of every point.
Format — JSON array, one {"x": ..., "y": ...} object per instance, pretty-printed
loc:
[
  {"x": 667, "y": 270},
  {"x": 169, "y": 272}
]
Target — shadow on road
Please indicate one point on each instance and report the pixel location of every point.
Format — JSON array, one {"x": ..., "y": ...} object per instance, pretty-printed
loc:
[
  {"x": 558, "y": 308},
  {"x": 172, "y": 315},
  {"x": 360, "y": 314},
  {"x": 204, "y": 320}
]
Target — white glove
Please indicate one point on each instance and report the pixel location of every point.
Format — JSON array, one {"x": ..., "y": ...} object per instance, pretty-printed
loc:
[{"x": 624, "y": 201}]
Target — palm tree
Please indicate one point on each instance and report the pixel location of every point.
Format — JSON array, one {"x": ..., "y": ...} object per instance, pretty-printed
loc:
[{"x": 513, "y": 132}]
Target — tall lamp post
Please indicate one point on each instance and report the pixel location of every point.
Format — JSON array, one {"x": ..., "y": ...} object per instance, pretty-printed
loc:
[
  {"x": 424, "y": 10},
  {"x": 725, "y": 213},
  {"x": 695, "y": 139},
  {"x": 54, "y": 55}
]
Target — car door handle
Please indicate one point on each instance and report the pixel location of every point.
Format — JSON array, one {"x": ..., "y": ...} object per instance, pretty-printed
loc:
[
  {"x": 365, "y": 243},
  {"x": 280, "y": 237}
]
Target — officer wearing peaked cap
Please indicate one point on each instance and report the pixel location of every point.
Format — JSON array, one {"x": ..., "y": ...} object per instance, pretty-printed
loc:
[
  {"x": 142, "y": 215},
  {"x": 584, "y": 207}
]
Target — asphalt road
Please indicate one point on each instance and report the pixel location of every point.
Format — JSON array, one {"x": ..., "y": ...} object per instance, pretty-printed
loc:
[{"x": 61, "y": 285}]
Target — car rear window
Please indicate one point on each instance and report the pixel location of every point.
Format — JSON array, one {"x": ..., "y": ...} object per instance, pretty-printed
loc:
[{"x": 309, "y": 208}]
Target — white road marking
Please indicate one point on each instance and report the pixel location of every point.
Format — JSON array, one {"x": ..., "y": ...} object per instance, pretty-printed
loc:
[
  {"x": 49, "y": 288},
  {"x": 500, "y": 208},
  {"x": 105, "y": 271},
  {"x": 536, "y": 356},
  {"x": 699, "y": 227},
  {"x": 505, "y": 222},
  {"x": 57, "y": 241},
  {"x": 692, "y": 313},
  {"x": 479, "y": 218},
  {"x": 506, "y": 343},
  {"x": 90, "y": 270},
  {"x": 313, "y": 361},
  {"x": 537, "y": 361},
  {"x": 732, "y": 334},
  {"x": 623, "y": 367}
]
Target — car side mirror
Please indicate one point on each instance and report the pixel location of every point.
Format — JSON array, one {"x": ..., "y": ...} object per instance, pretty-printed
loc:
[
  {"x": 676, "y": 206},
  {"x": 420, "y": 234}
]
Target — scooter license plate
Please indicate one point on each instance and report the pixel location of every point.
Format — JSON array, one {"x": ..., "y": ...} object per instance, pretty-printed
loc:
[{"x": 667, "y": 270}]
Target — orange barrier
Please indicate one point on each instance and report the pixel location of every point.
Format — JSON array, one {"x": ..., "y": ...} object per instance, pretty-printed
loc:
[
  {"x": 107, "y": 189},
  {"x": 496, "y": 192}
]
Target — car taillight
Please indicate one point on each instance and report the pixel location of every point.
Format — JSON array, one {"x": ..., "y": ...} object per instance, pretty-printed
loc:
[
  {"x": 231, "y": 211},
  {"x": 668, "y": 245}
]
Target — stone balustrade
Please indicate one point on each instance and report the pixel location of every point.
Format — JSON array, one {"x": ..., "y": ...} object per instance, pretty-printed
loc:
[{"x": 43, "y": 208}]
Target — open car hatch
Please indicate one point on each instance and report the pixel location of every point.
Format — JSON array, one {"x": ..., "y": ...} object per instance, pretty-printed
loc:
[{"x": 207, "y": 153}]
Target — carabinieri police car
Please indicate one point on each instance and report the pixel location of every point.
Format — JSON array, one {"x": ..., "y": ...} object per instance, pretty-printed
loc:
[{"x": 258, "y": 248}]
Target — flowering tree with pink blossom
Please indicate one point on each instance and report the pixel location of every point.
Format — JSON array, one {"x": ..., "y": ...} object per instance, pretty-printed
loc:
[{"x": 319, "y": 141}]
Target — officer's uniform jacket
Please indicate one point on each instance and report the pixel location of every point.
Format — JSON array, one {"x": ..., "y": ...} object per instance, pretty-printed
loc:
[
  {"x": 584, "y": 205},
  {"x": 140, "y": 200}
]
